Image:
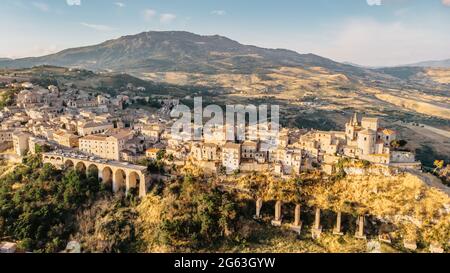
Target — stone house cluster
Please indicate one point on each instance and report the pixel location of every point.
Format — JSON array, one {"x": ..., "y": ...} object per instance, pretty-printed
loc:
[
  {"x": 99, "y": 126},
  {"x": 296, "y": 151}
]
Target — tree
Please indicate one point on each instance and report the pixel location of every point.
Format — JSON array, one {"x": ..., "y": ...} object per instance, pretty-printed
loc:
[
  {"x": 160, "y": 155},
  {"x": 396, "y": 144},
  {"x": 439, "y": 164}
]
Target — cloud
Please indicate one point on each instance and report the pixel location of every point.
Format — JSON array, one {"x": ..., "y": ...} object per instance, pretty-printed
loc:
[
  {"x": 218, "y": 12},
  {"x": 149, "y": 14},
  {"x": 41, "y": 6},
  {"x": 374, "y": 2},
  {"x": 120, "y": 4},
  {"x": 97, "y": 27},
  {"x": 446, "y": 3},
  {"x": 371, "y": 42},
  {"x": 167, "y": 18},
  {"x": 73, "y": 2}
]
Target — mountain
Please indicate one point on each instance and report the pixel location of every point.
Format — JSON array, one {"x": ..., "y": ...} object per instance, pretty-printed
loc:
[
  {"x": 433, "y": 64},
  {"x": 181, "y": 52}
]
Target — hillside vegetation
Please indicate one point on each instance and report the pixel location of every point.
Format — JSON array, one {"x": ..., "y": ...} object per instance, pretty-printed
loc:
[{"x": 43, "y": 208}]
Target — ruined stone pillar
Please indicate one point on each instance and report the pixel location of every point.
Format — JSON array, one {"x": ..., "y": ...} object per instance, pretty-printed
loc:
[
  {"x": 317, "y": 229},
  {"x": 338, "y": 229},
  {"x": 297, "y": 226},
  {"x": 317, "y": 219},
  {"x": 259, "y": 204},
  {"x": 277, "y": 221},
  {"x": 297, "y": 220},
  {"x": 360, "y": 228}
]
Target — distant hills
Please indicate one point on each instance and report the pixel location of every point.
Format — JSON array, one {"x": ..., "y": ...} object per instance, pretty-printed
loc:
[
  {"x": 179, "y": 51},
  {"x": 433, "y": 64}
]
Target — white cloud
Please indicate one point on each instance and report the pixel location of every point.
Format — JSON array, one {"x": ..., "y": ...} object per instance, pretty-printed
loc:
[
  {"x": 370, "y": 42},
  {"x": 446, "y": 2},
  {"x": 34, "y": 51},
  {"x": 149, "y": 14},
  {"x": 218, "y": 12},
  {"x": 167, "y": 18},
  {"x": 73, "y": 2},
  {"x": 120, "y": 4},
  {"x": 97, "y": 27},
  {"x": 41, "y": 6},
  {"x": 374, "y": 2}
]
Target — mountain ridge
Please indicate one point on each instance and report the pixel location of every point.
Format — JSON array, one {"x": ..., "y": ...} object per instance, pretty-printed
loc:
[
  {"x": 156, "y": 51},
  {"x": 432, "y": 64}
]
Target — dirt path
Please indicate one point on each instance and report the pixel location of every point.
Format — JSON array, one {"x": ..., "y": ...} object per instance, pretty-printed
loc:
[
  {"x": 425, "y": 130},
  {"x": 431, "y": 181}
]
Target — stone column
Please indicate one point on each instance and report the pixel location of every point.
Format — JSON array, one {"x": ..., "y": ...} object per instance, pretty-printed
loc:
[
  {"x": 277, "y": 221},
  {"x": 142, "y": 186},
  {"x": 100, "y": 176},
  {"x": 317, "y": 229},
  {"x": 360, "y": 228},
  {"x": 297, "y": 220},
  {"x": 297, "y": 226},
  {"x": 317, "y": 219},
  {"x": 259, "y": 204},
  {"x": 127, "y": 184},
  {"x": 338, "y": 229},
  {"x": 114, "y": 184}
]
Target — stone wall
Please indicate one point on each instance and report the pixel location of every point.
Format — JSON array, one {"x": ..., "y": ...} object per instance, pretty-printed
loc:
[
  {"x": 207, "y": 166},
  {"x": 402, "y": 157},
  {"x": 253, "y": 167},
  {"x": 4, "y": 146},
  {"x": 375, "y": 170}
]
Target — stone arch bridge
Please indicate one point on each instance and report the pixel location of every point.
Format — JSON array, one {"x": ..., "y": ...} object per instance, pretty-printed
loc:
[{"x": 120, "y": 175}]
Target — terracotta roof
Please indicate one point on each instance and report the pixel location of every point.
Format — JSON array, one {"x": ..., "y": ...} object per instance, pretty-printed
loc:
[
  {"x": 153, "y": 150},
  {"x": 389, "y": 132}
]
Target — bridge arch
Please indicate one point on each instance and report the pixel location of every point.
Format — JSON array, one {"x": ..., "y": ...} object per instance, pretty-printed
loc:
[
  {"x": 81, "y": 167},
  {"x": 117, "y": 175},
  {"x": 69, "y": 164},
  {"x": 107, "y": 177},
  {"x": 134, "y": 182},
  {"x": 119, "y": 182},
  {"x": 93, "y": 171}
]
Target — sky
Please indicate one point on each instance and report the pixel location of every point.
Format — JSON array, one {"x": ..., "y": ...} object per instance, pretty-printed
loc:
[{"x": 365, "y": 32}]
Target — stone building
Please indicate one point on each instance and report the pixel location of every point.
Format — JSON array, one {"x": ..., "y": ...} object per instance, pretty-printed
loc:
[
  {"x": 92, "y": 128},
  {"x": 20, "y": 143},
  {"x": 66, "y": 139},
  {"x": 108, "y": 146},
  {"x": 249, "y": 149},
  {"x": 231, "y": 156},
  {"x": 363, "y": 139}
]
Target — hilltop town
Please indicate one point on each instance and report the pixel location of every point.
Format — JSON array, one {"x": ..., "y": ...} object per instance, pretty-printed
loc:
[
  {"x": 66, "y": 120},
  {"x": 130, "y": 149}
]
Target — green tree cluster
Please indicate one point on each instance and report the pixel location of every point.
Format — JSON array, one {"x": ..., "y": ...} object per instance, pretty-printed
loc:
[{"x": 38, "y": 204}]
